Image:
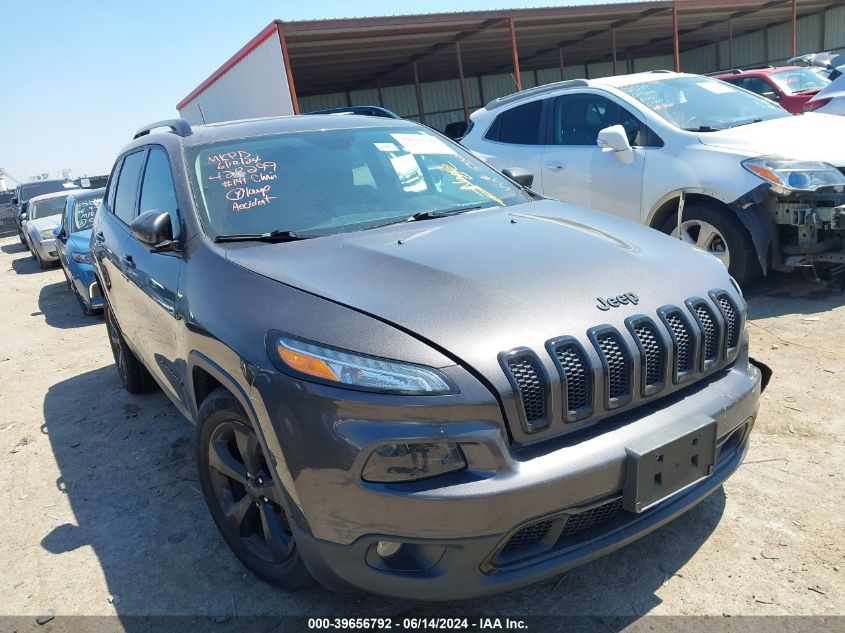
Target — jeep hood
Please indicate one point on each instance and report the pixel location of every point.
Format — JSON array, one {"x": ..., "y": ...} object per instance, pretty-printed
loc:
[
  {"x": 480, "y": 283},
  {"x": 805, "y": 137}
]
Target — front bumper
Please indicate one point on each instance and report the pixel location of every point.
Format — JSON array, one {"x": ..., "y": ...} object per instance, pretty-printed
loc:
[
  {"x": 46, "y": 250},
  {"x": 455, "y": 525},
  {"x": 86, "y": 286}
]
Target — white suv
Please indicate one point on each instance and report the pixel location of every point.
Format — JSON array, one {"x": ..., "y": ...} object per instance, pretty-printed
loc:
[{"x": 761, "y": 189}]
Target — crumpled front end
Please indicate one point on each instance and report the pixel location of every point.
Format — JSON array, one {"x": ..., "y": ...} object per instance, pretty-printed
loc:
[{"x": 792, "y": 229}]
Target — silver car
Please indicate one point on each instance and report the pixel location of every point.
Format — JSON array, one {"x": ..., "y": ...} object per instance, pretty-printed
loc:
[{"x": 42, "y": 217}]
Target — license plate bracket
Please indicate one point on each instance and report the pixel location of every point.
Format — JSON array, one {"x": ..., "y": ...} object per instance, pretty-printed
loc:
[{"x": 656, "y": 469}]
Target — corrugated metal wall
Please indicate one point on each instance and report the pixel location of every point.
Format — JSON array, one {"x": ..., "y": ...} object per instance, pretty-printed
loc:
[
  {"x": 442, "y": 99},
  {"x": 244, "y": 92}
]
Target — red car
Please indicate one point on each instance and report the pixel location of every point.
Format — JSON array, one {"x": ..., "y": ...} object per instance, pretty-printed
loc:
[{"x": 790, "y": 86}]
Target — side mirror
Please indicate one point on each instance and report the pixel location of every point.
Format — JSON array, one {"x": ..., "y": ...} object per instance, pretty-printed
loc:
[
  {"x": 15, "y": 201},
  {"x": 153, "y": 228},
  {"x": 58, "y": 232},
  {"x": 519, "y": 176},
  {"x": 24, "y": 216},
  {"x": 615, "y": 139}
]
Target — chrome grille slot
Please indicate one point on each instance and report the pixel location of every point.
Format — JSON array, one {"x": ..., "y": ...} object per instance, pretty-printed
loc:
[{"x": 531, "y": 387}]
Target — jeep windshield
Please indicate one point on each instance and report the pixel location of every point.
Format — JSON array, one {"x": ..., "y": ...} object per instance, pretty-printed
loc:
[
  {"x": 316, "y": 183},
  {"x": 701, "y": 104}
]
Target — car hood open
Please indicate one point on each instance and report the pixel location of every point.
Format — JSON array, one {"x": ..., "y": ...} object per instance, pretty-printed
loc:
[
  {"x": 806, "y": 137},
  {"x": 480, "y": 283}
]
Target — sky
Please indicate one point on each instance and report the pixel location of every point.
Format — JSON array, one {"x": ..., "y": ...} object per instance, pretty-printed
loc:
[{"x": 79, "y": 78}]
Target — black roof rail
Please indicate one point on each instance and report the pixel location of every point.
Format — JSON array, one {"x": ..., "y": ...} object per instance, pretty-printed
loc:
[
  {"x": 362, "y": 110},
  {"x": 180, "y": 127}
]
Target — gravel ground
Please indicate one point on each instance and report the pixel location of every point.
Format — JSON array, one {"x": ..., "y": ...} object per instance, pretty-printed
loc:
[{"x": 102, "y": 514}]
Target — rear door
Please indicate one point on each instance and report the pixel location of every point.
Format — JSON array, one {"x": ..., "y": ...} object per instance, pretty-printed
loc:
[
  {"x": 111, "y": 230},
  {"x": 154, "y": 279},
  {"x": 515, "y": 139},
  {"x": 577, "y": 170}
]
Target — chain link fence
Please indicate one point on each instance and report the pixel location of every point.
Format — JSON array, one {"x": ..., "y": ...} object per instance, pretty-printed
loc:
[{"x": 7, "y": 214}]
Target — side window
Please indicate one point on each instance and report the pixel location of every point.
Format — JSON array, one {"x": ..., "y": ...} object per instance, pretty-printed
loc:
[
  {"x": 115, "y": 174},
  {"x": 760, "y": 86},
  {"x": 157, "y": 190},
  {"x": 578, "y": 119},
  {"x": 519, "y": 125},
  {"x": 127, "y": 187}
]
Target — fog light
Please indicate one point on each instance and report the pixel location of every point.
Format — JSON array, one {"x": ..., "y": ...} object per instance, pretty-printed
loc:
[
  {"x": 388, "y": 549},
  {"x": 411, "y": 462}
]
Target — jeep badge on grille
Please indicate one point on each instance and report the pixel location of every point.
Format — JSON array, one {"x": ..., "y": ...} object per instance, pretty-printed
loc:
[{"x": 618, "y": 300}]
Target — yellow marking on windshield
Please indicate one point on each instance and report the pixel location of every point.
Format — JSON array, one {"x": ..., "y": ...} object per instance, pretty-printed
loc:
[{"x": 465, "y": 181}]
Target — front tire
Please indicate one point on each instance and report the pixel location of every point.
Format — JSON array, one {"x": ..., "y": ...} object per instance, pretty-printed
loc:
[
  {"x": 720, "y": 233},
  {"x": 133, "y": 375},
  {"x": 242, "y": 497}
]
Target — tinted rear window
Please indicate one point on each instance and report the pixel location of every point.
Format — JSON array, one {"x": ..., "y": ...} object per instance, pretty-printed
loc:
[{"x": 519, "y": 125}]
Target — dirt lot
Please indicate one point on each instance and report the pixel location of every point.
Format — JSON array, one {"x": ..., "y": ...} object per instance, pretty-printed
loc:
[{"x": 101, "y": 513}]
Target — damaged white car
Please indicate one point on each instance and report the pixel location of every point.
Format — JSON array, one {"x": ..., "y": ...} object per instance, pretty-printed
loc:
[{"x": 723, "y": 168}]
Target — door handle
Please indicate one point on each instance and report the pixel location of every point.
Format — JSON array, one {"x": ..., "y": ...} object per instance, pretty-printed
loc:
[
  {"x": 130, "y": 263},
  {"x": 100, "y": 237},
  {"x": 554, "y": 165}
]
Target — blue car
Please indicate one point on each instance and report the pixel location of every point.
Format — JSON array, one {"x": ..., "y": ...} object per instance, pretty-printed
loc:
[{"x": 73, "y": 237}]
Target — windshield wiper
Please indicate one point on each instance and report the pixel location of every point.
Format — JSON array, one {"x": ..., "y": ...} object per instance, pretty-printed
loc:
[
  {"x": 702, "y": 128},
  {"x": 432, "y": 214},
  {"x": 272, "y": 236},
  {"x": 757, "y": 120}
]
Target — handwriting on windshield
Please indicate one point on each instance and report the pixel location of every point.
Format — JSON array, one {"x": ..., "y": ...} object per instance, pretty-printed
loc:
[
  {"x": 465, "y": 181},
  {"x": 246, "y": 178},
  {"x": 85, "y": 212}
]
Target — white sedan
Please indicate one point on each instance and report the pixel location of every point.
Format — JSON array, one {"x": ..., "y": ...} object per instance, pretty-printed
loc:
[{"x": 41, "y": 218}]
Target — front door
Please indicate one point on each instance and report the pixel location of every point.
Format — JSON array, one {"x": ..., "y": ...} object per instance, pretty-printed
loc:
[
  {"x": 577, "y": 170},
  {"x": 153, "y": 280}
]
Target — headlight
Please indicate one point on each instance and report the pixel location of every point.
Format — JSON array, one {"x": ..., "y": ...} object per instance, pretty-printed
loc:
[
  {"x": 47, "y": 234},
  {"x": 81, "y": 258},
  {"x": 360, "y": 372},
  {"x": 411, "y": 462},
  {"x": 795, "y": 175}
]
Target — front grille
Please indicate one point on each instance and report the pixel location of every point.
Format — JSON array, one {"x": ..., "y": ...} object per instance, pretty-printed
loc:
[
  {"x": 687, "y": 342},
  {"x": 576, "y": 377},
  {"x": 583, "y": 521},
  {"x": 617, "y": 365},
  {"x": 531, "y": 388},
  {"x": 527, "y": 536},
  {"x": 731, "y": 319},
  {"x": 709, "y": 331}
]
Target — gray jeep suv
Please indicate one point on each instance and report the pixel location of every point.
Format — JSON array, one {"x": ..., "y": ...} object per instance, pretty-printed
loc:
[{"x": 408, "y": 373}]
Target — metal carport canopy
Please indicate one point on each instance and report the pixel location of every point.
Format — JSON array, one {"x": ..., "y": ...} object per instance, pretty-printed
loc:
[{"x": 349, "y": 54}]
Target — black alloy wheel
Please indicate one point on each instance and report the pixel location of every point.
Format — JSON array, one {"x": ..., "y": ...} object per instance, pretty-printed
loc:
[{"x": 244, "y": 500}]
